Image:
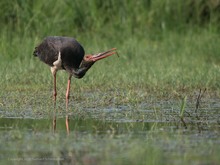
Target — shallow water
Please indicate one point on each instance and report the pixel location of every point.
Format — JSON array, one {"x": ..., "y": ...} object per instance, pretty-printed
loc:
[{"x": 147, "y": 133}]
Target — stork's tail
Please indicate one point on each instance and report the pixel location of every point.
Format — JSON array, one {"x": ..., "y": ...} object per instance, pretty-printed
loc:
[{"x": 35, "y": 53}]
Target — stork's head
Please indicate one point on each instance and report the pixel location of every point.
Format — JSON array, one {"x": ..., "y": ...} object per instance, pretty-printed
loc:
[{"x": 90, "y": 59}]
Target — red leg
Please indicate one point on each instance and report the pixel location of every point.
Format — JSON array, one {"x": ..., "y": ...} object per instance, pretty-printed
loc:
[
  {"x": 68, "y": 91},
  {"x": 54, "y": 88},
  {"x": 54, "y": 97},
  {"x": 67, "y": 102}
]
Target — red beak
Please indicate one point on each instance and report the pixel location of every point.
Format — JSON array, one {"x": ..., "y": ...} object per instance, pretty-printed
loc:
[{"x": 102, "y": 55}]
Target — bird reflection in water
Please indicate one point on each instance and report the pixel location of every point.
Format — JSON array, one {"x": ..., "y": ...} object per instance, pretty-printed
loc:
[
  {"x": 54, "y": 123},
  {"x": 65, "y": 53}
]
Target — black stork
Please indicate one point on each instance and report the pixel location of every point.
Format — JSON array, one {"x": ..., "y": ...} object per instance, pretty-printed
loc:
[{"x": 66, "y": 53}]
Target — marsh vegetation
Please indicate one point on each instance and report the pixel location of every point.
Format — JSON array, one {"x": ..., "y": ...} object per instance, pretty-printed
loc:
[{"x": 158, "y": 103}]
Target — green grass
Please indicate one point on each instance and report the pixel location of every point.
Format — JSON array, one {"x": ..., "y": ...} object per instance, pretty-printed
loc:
[
  {"x": 174, "y": 64},
  {"x": 152, "y": 57},
  {"x": 127, "y": 109}
]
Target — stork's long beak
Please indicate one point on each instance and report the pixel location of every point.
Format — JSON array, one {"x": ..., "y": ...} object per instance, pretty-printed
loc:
[{"x": 102, "y": 55}]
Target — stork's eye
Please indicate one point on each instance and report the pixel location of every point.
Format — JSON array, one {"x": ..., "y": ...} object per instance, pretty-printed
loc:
[{"x": 88, "y": 57}]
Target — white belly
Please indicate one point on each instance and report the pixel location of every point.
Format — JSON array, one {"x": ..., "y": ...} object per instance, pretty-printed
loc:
[{"x": 57, "y": 65}]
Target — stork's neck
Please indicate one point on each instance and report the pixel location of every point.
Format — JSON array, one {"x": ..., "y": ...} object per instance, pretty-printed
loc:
[
  {"x": 79, "y": 73},
  {"x": 83, "y": 68}
]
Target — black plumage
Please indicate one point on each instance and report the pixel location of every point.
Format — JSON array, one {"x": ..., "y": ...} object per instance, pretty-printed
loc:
[
  {"x": 66, "y": 53},
  {"x": 71, "y": 51}
]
